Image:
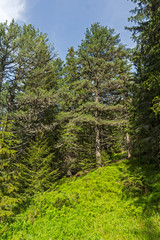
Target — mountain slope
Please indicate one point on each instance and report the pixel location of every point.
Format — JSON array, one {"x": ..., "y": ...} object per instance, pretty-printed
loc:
[{"x": 108, "y": 203}]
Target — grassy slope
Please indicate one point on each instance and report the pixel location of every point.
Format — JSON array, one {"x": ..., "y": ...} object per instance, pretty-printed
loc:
[{"x": 93, "y": 207}]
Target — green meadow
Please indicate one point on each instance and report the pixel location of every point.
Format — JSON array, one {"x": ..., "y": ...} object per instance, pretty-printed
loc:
[{"x": 116, "y": 202}]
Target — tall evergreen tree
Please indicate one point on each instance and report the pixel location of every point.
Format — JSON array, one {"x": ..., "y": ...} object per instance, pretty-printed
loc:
[
  {"x": 9, "y": 35},
  {"x": 28, "y": 82},
  {"x": 35, "y": 100},
  {"x": 103, "y": 63},
  {"x": 39, "y": 170},
  {"x": 9, "y": 171},
  {"x": 28, "y": 77},
  {"x": 99, "y": 92},
  {"x": 145, "y": 119},
  {"x": 68, "y": 144}
]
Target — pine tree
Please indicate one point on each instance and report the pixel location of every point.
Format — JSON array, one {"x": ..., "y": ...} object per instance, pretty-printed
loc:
[
  {"x": 28, "y": 77},
  {"x": 96, "y": 95},
  {"x": 9, "y": 35},
  {"x": 35, "y": 99},
  {"x": 28, "y": 82},
  {"x": 145, "y": 118},
  {"x": 103, "y": 62}
]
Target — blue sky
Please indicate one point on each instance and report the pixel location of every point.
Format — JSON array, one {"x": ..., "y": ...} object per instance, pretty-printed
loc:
[{"x": 65, "y": 21}]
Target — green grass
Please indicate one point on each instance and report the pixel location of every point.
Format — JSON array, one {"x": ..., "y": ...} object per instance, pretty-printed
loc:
[{"x": 108, "y": 203}]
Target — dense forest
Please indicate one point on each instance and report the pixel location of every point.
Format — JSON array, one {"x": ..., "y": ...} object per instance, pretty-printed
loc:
[{"x": 62, "y": 119}]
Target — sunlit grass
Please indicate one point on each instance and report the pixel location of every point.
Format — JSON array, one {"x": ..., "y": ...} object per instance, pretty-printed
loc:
[{"x": 92, "y": 207}]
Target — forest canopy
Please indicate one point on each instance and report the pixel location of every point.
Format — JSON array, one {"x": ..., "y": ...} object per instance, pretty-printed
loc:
[{"x": 60, "y": 118}]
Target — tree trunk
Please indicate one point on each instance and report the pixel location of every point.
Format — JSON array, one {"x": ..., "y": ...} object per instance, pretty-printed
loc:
[
  {"x": 97, "y": 131},
  {"x": 128, "y": 145},
  {"x": 3, "y": 130},
  {"x": 98, "y": 146},
  {"x": 1, "y": 78}
]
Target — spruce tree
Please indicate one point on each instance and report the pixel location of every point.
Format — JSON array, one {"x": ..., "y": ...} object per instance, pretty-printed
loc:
[
  {"x": 68, "y": 143},
  {"x": 9, "y": 171},
  {"x": 39, "y": 170},
  {"x": 145, "y": 118}
]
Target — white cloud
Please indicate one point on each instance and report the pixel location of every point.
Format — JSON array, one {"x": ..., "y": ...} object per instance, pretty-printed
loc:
[{"x": 10, "y": 9}]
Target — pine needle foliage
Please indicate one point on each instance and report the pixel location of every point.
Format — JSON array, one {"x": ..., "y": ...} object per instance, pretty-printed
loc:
[
  {"x": 94, "y": 90},
  {"x": 39, "y": 170},
  {"x": 9, "y": 171},
  {"x": 145, "y": 117}
]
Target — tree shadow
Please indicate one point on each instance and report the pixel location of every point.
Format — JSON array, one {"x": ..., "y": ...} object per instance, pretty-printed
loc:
[
  {"x": 142, "y": 184},
  {"x": 150, "y": 230}
]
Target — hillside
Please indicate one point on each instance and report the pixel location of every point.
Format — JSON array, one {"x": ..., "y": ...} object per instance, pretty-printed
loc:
[{"x": 108, "y": 203}]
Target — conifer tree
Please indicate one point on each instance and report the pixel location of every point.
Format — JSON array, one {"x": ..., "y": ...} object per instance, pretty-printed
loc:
[
  {"x": 103, "y": 63},
  {"x": 97, "y": 93},
  {"x": 28, "y": 76},
  {"x": 145, "y": 117},
  {"x": 9, "y": 35},
  {"x": 28, "y": 82},
  {"x": 9, "y": 171},
  {"x": 68, "y": 144},
  {"x": 35, "y": 100},
  {"x": 39, "y": 170}
]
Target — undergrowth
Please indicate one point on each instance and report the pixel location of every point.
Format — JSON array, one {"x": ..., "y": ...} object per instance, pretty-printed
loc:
[{"x": 116, "y": 202}]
